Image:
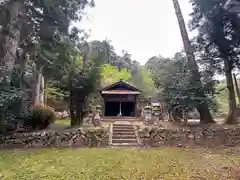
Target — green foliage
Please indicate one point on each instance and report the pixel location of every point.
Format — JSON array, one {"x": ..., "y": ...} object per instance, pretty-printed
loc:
[
  {"x": 41, "y": 117},
  {"x": 122, "y": 66},
  {"x": 77, "y": 80},
  {"x": 142, "y": 79},
  {"x": 110, "y": 74},
  {"x": 146, "y": 77},
  {"x": 172, "y": 78},
  {"x": 221, "y": 99},
  {"x": 221, "y": 96},
  {"x": 169, "y": 76},
  {"x": 74, "y": 69},
  {"x": 45, "y": 36},
  {"x": 54, "y": 93},
  {"x": 11, "y": 107}
]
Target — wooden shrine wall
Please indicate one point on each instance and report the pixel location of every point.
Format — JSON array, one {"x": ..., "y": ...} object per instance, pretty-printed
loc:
[{"x": 118, "y": 98}]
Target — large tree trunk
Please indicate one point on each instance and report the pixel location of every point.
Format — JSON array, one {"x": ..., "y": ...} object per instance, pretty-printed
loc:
[
  {"x": 78, "y": 114},
  {"x": 10, "y": 37},
  {"x": 84, "y": 60},
  {"x": 45, "y": 95},
  {"x": 76, "y": 109},
  {"x": 236, "y": 87},
  {"x": 72, "y": 109},
  {"x": 205, "y": 115},
  {"x": 21, "y": 63},
  {"x": 41, "y": 91},
  {"x": 79, "y": 110},
  {"x": 38, "y": 86},
  {"x": 232, "y": 105},
  {"x": 46, "y": 35}
]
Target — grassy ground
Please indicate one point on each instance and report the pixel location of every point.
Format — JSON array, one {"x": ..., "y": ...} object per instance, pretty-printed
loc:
[
  {"x": 60, "y": 125},
  {"x": 110, "y": 164},
  {"x": 67, "y": 122},
  {"x": 63, "y": 122}
]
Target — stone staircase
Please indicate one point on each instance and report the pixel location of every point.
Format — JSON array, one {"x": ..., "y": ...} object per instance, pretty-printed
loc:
[
  {"x": 122, "y": 134},
  {"x": 119, "y": 119}
]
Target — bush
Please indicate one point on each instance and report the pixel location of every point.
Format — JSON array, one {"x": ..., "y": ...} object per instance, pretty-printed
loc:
[{"x": 41, "y": 117}]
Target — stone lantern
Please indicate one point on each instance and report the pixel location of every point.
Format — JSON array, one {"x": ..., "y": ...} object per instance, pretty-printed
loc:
[
  {"x": 147, "y": 114},
  {"x": 158, "y": 111},
  {"x": 97, "y": 117},
  {"x": 89, "y": 117},
  {"x": 98, "y": 108}
]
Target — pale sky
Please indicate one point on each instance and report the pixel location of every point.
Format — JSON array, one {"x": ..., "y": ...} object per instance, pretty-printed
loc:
[{"x": 143, "y": 28}]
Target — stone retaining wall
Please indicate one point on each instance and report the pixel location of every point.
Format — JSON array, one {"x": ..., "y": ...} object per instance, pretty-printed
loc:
[
  {"x": 199, "y": 137},
  {"x": 94, "y": 137}
]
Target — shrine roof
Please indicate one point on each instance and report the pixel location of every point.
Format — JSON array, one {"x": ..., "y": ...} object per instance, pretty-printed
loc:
[
  {"x": 120, "y": 92},
  {"x": 120, "y": 87}
]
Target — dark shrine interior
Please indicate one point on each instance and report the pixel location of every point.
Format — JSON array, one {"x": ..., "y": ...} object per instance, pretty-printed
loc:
[
  {"x": 112, "y": 108},
  {"x": 127, "y": 108}
]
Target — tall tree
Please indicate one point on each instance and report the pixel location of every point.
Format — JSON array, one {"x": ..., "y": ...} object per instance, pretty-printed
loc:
[
  {"x": 202, "y": 107},
  {"x": 52, "y": 25},
  {"x": 219, "y": 36},
  {"x": 42, "y": 29},
  {"x": 236, "y": 87},
  {"x": 11, "y": 13}
]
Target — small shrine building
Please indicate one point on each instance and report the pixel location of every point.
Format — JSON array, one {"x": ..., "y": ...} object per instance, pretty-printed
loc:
[{"x": 120, "y": 100}]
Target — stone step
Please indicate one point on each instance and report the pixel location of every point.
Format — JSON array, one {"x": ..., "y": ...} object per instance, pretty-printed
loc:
[
  {"x": 123, "y": 130},
  {"x": 125, "y": 144},
  {"x": 124, "y": 140},
  {"x": 122, "y": 123},
  {"x": 123, "y": 133},
  {"x": 123, "y": 127},
  {"x": 122, "y": 120},
  {"x": 123, "y": 136}
]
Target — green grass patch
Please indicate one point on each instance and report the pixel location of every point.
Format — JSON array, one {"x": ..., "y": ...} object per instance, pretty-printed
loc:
[
  {"x": 68, "y": 122},
  {"x": 62, "y": 122},
  {"x": 115, "y": 164}
]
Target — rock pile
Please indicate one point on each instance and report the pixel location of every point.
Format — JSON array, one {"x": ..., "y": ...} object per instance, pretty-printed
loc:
[
  {"x": 79, "y": 137},
  {"x": 198, "y": 137}
]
